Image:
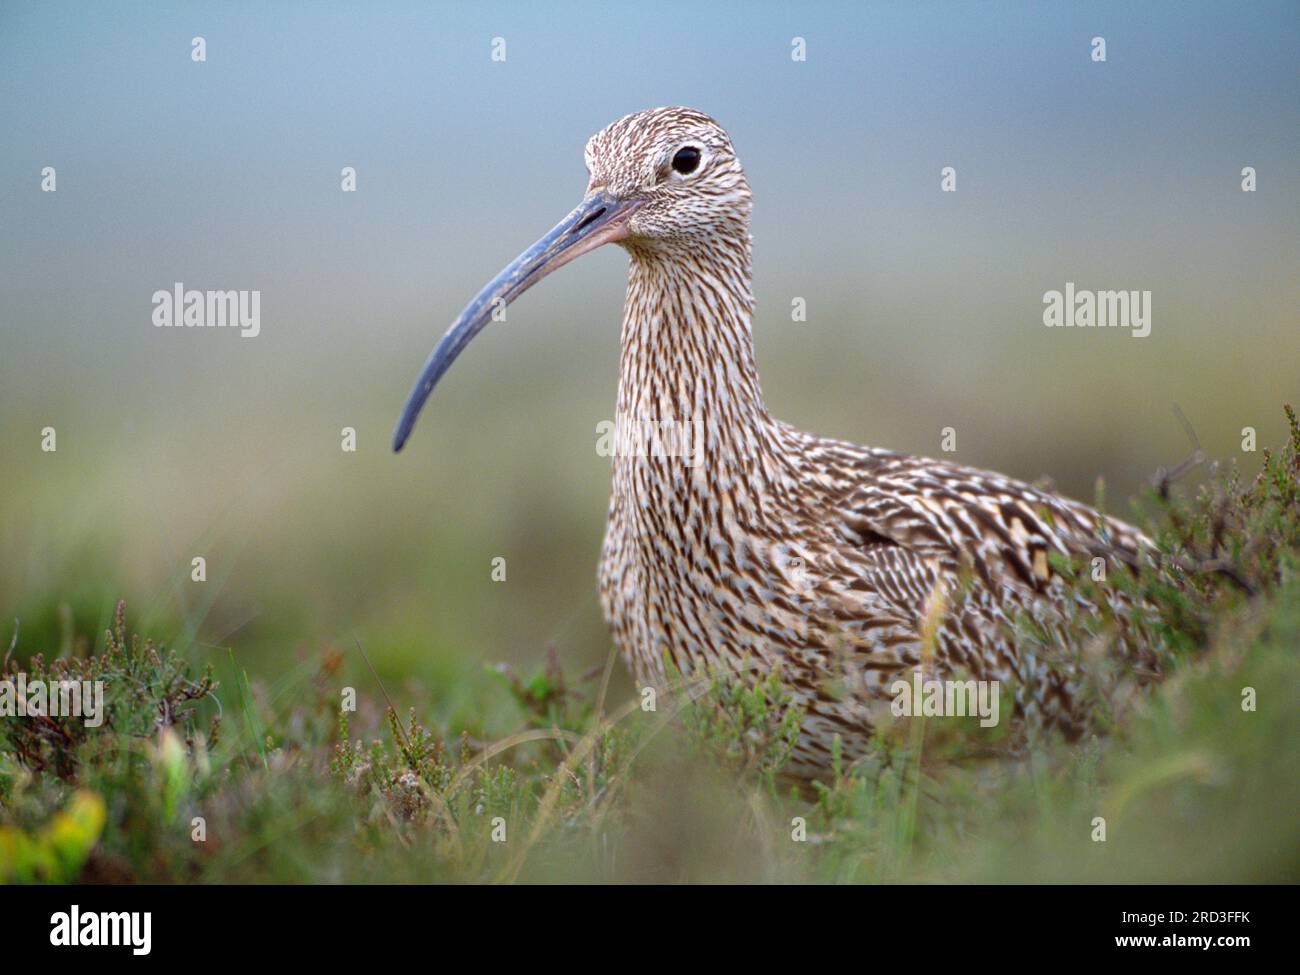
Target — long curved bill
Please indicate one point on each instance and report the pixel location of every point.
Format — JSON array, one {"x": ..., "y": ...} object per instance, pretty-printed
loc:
[{"x": 598, "y": 219}]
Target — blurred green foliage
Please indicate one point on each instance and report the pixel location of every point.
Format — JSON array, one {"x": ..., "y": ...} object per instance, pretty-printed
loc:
[{"x": 556, "y": 779}]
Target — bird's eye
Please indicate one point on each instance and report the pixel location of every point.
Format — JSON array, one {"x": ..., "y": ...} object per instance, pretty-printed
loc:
[{"x": 686, "y": 160}]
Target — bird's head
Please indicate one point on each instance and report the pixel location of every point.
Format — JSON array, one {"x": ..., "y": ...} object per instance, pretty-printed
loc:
[
  {"x": 664, "y": 181},
  {"x": 679, "y": 167}
]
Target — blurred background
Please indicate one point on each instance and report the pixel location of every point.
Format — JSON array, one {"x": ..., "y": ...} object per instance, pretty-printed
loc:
[{"x": 924, "y": 308}]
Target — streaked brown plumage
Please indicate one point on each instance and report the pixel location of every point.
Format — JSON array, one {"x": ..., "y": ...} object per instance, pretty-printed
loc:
[{"x": 765, "y": 546}]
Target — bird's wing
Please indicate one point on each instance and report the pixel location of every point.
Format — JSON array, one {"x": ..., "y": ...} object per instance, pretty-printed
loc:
[{"x": 998, "y": 527}]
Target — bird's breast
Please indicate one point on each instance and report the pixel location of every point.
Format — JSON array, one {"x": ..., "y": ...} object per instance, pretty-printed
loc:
[{"x": 695, "y": 569}]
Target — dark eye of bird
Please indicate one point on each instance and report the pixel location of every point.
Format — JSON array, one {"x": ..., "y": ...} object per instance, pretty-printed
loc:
[{"x": 686, "y": 160}]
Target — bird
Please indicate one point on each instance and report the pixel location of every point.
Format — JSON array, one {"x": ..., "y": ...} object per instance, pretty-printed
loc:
[{"x": 736, "y": 543}]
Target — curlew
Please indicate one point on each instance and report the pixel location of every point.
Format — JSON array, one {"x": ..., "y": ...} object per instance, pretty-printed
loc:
[{"x": 741, "y": 541}]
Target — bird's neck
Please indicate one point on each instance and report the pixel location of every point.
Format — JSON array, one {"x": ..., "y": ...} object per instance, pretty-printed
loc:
[{"x": 688, "y": 352}]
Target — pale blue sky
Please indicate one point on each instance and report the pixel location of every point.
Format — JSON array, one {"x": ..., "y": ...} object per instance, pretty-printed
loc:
[{"x": 225, "y": 174}]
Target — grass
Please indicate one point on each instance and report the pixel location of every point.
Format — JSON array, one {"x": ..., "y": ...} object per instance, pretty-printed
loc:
[{"x": 322, "y": 776}]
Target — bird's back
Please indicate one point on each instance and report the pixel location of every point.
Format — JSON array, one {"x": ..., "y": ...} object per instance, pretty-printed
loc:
[{"x": 855, "y": 568}]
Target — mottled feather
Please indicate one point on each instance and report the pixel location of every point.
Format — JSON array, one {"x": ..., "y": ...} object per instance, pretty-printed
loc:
[{"x": 778, "y": 548}]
